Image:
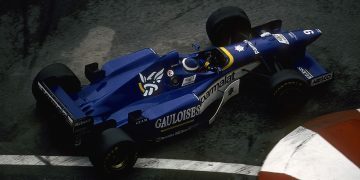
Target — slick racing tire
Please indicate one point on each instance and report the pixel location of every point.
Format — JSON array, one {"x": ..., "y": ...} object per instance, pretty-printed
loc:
[
  {"x": 289, "y": 89},
  {"x": 228, "y": 25},
  {"x": 115, "y": 153},
  {"x": 52, "y": 74}
]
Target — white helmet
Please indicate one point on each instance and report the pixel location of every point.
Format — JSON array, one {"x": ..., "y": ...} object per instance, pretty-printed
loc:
[{"x": 190, "y": 64}]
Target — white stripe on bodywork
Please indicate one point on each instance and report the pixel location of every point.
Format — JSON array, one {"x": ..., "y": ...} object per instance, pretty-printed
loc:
[
  {"x": 304, "y": 154},
  {"x": 226, "y": 96},
  {"x": 149, "y": 163}
]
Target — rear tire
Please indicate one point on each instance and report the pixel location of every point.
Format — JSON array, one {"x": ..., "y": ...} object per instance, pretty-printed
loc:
[
  {"x": 52, "y": 74},
  {"x": 289, "y": 89},
  {"x": 228, "y": 25},
  {"x": 115, "y": 153}
]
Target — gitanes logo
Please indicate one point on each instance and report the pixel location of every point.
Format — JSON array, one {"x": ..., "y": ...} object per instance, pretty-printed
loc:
[{"x": 148, "y": 84}]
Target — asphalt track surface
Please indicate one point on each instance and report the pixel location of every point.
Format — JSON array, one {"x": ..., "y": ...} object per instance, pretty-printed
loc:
[{"x": 247, "y": 127}]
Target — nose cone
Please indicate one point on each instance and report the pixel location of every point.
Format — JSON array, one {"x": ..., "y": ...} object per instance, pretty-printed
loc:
[{"x": 307, "y": 36}]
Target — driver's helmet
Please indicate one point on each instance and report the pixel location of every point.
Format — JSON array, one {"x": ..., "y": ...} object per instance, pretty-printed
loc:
[{"x": 190, "y": 64}]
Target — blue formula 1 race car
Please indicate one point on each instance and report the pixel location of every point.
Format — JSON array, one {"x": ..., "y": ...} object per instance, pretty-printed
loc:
[{"x": 144, "y": 96}]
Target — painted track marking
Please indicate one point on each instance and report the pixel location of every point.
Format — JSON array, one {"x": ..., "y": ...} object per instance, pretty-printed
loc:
[
  {"x": 304, "y": 154},
  {"x": 176, "y": 164},
  {"x": 149, "y": 163}
]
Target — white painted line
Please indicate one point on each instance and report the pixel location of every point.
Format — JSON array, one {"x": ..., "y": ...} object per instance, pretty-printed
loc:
[
  {"x": 358, "y": 110},
  {"x": 149, "y": 163},
  {"x": 44, "y": 160},
  {"x": 176, "y": 164}
]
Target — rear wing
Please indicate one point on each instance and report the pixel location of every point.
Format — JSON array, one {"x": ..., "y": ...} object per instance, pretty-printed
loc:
[
  {"x": 313, "y": 72},
  {"x": 76, "y": 119}
]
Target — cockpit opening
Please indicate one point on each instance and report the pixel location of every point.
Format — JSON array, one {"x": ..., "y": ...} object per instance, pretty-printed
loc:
[{"x": 209, "y": 60}]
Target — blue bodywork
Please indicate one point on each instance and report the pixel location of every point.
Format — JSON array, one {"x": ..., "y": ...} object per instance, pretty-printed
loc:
[{"x": 154, "y": 97}]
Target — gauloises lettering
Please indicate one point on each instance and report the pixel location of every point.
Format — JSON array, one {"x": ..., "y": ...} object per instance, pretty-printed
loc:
[
  {"x": 178, "y": 117},
  {"x": 220, "y": 83}
]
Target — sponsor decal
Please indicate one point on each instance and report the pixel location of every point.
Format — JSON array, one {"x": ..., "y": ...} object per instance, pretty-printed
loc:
[
  {"x": 239, "y": 48},
  {"x": 170, "y": 73},
  {"x": 281, "y": 38},
  {"x": 292, "y": 35},
  {"x": 177, "y": 119},
  {"x": 308, "y": 32},
  {"x": 82, "y": 122},
  {"x": 305, "y": 72},
  {"x": 140, "y": 121},
  {"x": 321, "y": 79},
  {"x": 148, "y": 84},
  {"x": 176, "y": 133},
  {"x": 252, "y": 46},
  {"x": 227, "y": 79},
  {"x": 221, "y": 90},
  {"x": 188, "y": 80}
]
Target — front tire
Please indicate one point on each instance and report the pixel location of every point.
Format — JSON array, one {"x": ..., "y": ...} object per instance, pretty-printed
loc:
[
  {"x": 289, "y": 89},
  {"x": 114, "y": 153},
  {"x": 228, "y": 25}
]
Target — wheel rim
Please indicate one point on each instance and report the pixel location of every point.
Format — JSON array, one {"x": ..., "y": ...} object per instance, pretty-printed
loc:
[
  {"x": 118, "y": 165},
  {"x": 117, "y": 159}
]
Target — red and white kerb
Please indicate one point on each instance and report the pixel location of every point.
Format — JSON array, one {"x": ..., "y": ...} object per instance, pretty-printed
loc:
[{"x": 327, "y": 147}]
